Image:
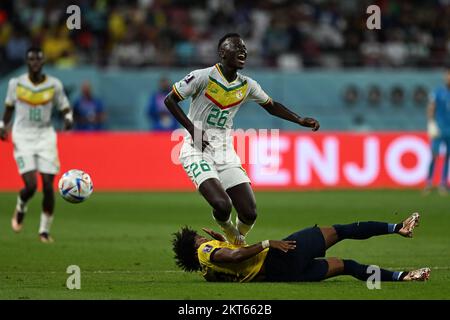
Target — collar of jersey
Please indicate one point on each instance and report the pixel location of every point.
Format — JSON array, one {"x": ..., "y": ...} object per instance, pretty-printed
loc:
[
  {"x": 37, "y": 84},
  {"x": 223, "y": 77}
]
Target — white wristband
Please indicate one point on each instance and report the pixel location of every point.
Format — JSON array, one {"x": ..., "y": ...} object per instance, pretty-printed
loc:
[
  {"x": 2, "y": 124},
  {"x": 69, "y": 116},
  {"x": 265, "y": 244}
]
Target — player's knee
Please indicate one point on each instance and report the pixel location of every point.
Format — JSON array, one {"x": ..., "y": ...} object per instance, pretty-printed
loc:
[
  {"x": 30, "y": 187},
  {"x": 222, "y": 208}
]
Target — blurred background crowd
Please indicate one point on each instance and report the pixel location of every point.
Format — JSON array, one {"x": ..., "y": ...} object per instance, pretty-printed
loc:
[
  {"x": 119, "y": 66},
  {"x": 285, "y": 34}
]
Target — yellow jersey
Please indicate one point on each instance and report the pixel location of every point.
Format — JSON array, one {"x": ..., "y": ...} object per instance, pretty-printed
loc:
[{"x": 244, "y": 271}]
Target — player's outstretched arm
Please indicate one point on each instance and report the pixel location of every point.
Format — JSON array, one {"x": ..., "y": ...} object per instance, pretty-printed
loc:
[
  {"x": 171, "y": 102},
  {"x": 68, "y": 118},
  {"x": 244, "y": 253},
  {"x": 215, "y": 235},
  {"x": 7, "y": 116},
  {"x": 278, "y": 110}
]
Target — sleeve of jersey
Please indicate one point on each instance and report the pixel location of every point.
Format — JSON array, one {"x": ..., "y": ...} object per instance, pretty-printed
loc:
[
  {"x": 10, "y": 99},
  {"x": 205, "y": 251},
  {"x": 61, "y": 99},
  {"x": 257, "y": 94},
  {"x": 188, "y": 86}
]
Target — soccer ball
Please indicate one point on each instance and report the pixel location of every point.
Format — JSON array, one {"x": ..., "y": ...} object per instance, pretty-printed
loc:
[{"x": 75, "y": 186}]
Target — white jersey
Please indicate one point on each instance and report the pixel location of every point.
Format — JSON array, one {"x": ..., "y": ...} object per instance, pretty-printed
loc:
[
  {"x": 215, "y": 101},
  {"x": 34, "y": 103}
]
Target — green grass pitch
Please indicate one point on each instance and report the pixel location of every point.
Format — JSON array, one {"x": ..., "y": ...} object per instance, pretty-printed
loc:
[{"x": 121, "y": 242}]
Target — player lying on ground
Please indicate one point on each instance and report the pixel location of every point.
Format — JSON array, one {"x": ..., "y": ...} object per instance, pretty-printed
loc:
[
  {"x": 299, "y": 257},
  {"x": 208, "y": 155},
  {"x": 33, "y": 95}
]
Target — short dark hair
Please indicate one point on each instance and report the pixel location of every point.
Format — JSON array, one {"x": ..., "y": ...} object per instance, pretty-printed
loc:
[
  {"x": 34, "y": 49},
  {"x": 225, "y": 37},
  {"x": 183, "y": 244}
]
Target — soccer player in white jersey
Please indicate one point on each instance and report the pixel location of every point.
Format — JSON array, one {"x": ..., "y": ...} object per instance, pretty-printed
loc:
[
  {"x": 33, "y": 96},
  {"x": 207, "y": 154}
]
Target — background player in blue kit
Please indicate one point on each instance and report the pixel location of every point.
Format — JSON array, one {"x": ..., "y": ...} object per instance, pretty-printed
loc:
[{"x": 438, "y": 114}]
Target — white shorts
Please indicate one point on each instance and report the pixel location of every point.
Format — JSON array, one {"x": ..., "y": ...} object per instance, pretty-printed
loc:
[
  {"x": 203, "y": 166},
  {"x": 36, "y": 153}
]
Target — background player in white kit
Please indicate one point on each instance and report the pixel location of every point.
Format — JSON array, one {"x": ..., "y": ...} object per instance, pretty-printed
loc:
[
  {"x": 33, "y": 96},
  {"x": 207, "y": 155}
]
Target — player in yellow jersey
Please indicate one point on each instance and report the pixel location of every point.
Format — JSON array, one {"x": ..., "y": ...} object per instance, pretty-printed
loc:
[
  {"x": 33, "y": 96},
  {"x": 299, "y": 257},
  {"x": 207, "y": 154}
]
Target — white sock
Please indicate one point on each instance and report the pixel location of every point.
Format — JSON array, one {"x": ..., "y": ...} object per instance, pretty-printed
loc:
[
  {"x": 46, "y": 223},
  {"x": 228, "y": 228},
  {"x": 242, "y": 227},
  {"x": 21, "y": 206}
]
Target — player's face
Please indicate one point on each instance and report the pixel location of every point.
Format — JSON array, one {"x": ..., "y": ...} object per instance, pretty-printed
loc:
[
  {"x": 35, "y": 61},
  {"x": 447, "y": 78},
  {"x": 234, "y": 52}
]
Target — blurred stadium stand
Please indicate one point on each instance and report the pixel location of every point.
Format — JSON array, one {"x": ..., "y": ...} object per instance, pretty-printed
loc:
[{"x": 316, "y": 56}]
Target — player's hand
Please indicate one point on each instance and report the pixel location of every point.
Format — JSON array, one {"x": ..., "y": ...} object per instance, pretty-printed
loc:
[
  {"x": 433, "y": 129},
  {"x": 3, "y": 134},
  {"x": 283, "y": 245},
  {"x": 68, "y": 125},
  {"x": 215, "y": 235},
  {"x": 310, "y": 123},
  {"x": 202, "y": 143}
]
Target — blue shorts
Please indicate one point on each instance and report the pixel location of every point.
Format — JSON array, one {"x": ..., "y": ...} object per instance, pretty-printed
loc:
[
  {"x": 299, "y": 264},
  {"x": 436, "y": 143}
]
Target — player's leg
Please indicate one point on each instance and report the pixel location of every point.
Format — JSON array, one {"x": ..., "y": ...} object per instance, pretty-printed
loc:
[
  {"x": 25, "y": 194},
  {"x": 26, "y": 164},
  {"x": 212, "y": 190},
  {"x": 48, "y": 166},
  {"x": 435, "y": 144},
  {"x": 235, "y": 181},
  {"x": 337, "y": 267},
  {"x": 48, "y": 206},
  {"x": 245, "y": 204},
  {"x": 444, "y": 178},
  {"x": 201, "y": 170},
  {"x": 365, "y": 230}
]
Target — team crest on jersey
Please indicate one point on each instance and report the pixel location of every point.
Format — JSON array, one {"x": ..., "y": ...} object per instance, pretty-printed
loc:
[{"x": 207, "y": 248}]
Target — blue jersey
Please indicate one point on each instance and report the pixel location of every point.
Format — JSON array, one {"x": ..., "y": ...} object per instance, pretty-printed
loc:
[
  {"x": 441, "y": 98},
  {"x": 87, "y": 110}
]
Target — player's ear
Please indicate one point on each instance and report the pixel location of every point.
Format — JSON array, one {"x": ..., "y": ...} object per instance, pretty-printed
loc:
[
  {"x": 221, "y": 53},
  {"x": 43, "y": 58}
]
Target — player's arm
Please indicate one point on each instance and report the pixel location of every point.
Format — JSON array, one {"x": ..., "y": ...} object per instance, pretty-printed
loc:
[
  {"x": 278, "y": 110},
  {"x": 7, "y": 116},
  {"x": 244, "y": 253},
  {"x": 68, "y": 118},
  {"x": 432, "y": 127},
  {"x": 10, "y": 102},
  {"x": 431, "y": 108},
  {"x": 171, "y": 101},
  {"x": 63, "y": 104},
  {"x": 215, "y": 235}
]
